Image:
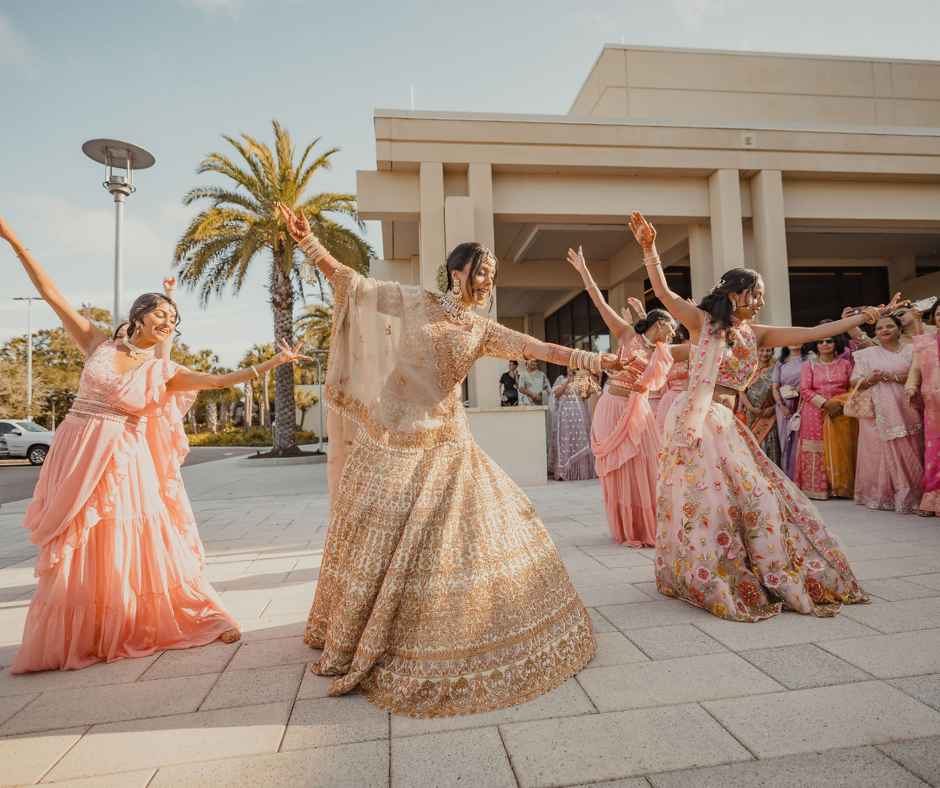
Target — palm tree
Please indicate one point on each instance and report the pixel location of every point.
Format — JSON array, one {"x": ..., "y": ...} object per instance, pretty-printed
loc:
[{"x": 242, "y": 225}]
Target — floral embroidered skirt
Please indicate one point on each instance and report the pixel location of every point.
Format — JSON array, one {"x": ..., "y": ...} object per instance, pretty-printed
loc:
[
  {"x": 440, "y": 591},
  {"x": 735, "y": 536}
]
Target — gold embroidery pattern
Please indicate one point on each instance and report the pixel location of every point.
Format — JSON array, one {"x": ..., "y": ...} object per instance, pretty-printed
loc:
[{"x": 441, "y": 592}]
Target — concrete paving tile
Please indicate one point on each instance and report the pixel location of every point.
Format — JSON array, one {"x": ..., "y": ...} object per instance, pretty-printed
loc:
[
  {"x": 89, "y": 705},
  {"x": 871, "y": 552},
  {"x": 860, "y": 767},
  {"x": 456, "y": 758},
  {"x": 123, "y": 671},
  {"x": 254, "y": 686},
  {"x": 682, "y": 680},
  {"x": 609, "y": 594},
  {"x": 823, "y": 718},
  {"x": 655, "y": 613},
  {"x": 270, "y": 627},
  {"x": 931, "y": 580},
  {"x": 138, "y": 779},
  {"x": 804, "y": 665},
  {"x": 892, "y": 656},
  {"x": 786, "y": 629},
  {"x": 327, "y": 721},
  {"x": 314, "y": 686},
  {"x": 894, "y": 589},
  {"x": 27, "y": 758},
  {"x": 630, "y": 782},
  {"x": 211, "y": 658},
  {"x": 904, "y": 616},
  {"x": 617, "y": 745},
  {"x": 925, "y": 688},
  {"x": 894, "y": 567},
  {"x": 271, "y": 652},
  {"x": 180, "y": 738},
  {"x": 599, "y": 623},
  {"x": 568, "y": 700},
  {"x": 678, "y": 640},
  {"x": 14, "y": 703},
  {"x": 922, "y": 757},
  {"x": 626, "y": 558},
  {"x": 362, "y": 765},
  {"x": 615, "y": 649}
]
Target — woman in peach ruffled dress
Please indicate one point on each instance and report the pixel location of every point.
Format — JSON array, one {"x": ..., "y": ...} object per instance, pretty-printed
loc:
[
  {"x": 120, "y": 560},
  {"x": 624, "y": 435}
]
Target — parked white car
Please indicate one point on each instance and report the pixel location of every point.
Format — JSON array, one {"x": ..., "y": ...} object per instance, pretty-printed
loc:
[{"x": 24, "y": 439}]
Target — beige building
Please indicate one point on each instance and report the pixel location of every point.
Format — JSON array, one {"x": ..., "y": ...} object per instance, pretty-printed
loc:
[{"x": 823, "y": 173}]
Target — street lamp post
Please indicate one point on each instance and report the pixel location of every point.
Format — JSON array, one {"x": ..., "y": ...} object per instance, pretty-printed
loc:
[
  {"x": 29, "y": 352},
  {"x": 120, "y": 160}
]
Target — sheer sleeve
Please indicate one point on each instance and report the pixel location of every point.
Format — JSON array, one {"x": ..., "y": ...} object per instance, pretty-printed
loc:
[{"x": 502, "y": 342}]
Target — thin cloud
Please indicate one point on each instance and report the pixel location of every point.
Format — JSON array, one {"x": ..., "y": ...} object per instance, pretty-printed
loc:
[{"x": 14, "y": 48}]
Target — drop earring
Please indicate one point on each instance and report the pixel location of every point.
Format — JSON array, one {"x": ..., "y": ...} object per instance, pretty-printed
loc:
[{"x": 455, "y": 287}]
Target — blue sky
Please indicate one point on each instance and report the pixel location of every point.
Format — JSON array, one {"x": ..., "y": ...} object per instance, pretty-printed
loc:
[{"x": 172, "y": 75}]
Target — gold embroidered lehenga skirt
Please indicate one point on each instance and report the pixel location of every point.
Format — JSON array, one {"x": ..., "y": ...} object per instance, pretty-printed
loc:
[{"x": 440, "y": 591}]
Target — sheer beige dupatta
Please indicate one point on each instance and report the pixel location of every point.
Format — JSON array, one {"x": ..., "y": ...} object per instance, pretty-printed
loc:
[
  {"x": 704, "y": 362},
  {"x": 381, "y": 376}
]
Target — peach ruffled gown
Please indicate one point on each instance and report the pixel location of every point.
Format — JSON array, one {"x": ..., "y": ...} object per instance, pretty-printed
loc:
[{"x": 120, "y": 560}]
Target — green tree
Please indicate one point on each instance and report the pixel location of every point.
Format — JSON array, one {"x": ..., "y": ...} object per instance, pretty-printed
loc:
[{"x": 241, "y": 225}]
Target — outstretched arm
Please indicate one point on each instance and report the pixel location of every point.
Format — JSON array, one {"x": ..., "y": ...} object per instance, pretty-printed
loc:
[
  {"x": 164, "y": 348},
  {"x": 79, "y": 327},
  {"x": 614, "y": 322},
  {"x": 686, "y": 313},
  {"x": 781, "y": 336},
  {"x": 187, "y": 380},
  {"x": 502, "y": 342}
]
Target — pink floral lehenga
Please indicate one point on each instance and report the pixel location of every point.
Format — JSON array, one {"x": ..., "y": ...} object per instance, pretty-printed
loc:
[
  {"x": 734, "y": 535},
  {"x": 120, "y": 560},
  {"x": 625, "y": 443}
]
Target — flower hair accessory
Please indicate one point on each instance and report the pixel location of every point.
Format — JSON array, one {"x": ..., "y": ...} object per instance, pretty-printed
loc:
[{"x": 442, "y": 278}]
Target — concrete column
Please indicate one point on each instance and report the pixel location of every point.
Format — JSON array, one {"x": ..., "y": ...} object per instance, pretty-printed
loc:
[
  {"x": 431, "y": 222},
  {"x": 701, "y": 261},
  {"x": 724, "y": 197},
  {"x": 770, "y": 245},
  {"x": 901, "y": 269},
  {"x": 483, "y": 382}
]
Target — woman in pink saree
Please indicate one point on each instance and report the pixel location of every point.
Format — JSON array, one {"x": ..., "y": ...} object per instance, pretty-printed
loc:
[
  {"x": 890, "y": 437},
  {"x": 624, "y": 435},
  {"x": 924, "y": 377},
  {"x": 120, "y": 559},
  {"x": 826, "y": 452},
  {"x": 734, "y": 535}
]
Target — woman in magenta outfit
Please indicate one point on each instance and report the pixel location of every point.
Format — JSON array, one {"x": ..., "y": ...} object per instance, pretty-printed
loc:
[
  {"x": 734, "y": 535},
  {"x": 120, "y": 560},
  {"x": 624, "y": 435},
  {"x": 924, "y": 378},
  {"x": 825, "y": 460}
]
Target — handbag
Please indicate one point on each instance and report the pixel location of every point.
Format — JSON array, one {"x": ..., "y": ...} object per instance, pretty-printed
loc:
[{"x": 859, "y": 404}]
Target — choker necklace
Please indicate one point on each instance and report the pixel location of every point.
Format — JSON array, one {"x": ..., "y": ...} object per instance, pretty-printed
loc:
[
  {"x": 647, "y": 342},
  {"x": 138, "y": 352},
  {"x": 454, "y": 308}
]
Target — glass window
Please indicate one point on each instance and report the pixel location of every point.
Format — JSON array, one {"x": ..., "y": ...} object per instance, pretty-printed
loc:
[
  {"x": 577, "y": 324},
  {"x": 5, "y": 428},
  {"x": 31, "y": 426}
]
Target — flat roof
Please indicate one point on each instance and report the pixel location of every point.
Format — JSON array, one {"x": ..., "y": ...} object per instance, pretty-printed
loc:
[{"x": 510, "y": 117}]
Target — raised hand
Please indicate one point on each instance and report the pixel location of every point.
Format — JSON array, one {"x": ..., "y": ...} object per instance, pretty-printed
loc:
[
  {"x": 169, "y": 286},
  {"x": 297, "y": 224},
  {"x": 577, "y": 260},
  {"x": 637, "y": 306},
  {"x": 642, "y": 230},
  {"x": 896, "y": 302},
  {"x": 289, "y": 354}
]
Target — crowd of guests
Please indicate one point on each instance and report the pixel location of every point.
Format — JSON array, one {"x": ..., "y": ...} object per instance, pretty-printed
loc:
[{"x": 814, "y": 410}]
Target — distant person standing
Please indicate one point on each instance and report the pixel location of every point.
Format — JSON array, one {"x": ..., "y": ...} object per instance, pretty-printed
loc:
[{"x": 508, "y": 385}]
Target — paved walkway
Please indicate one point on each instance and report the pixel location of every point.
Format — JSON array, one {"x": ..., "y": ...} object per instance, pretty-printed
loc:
[{"x": 674, "y": 697}]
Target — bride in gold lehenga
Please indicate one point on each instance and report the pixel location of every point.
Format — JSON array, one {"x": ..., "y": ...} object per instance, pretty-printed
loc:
[{"x": 440, "y": 591}]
